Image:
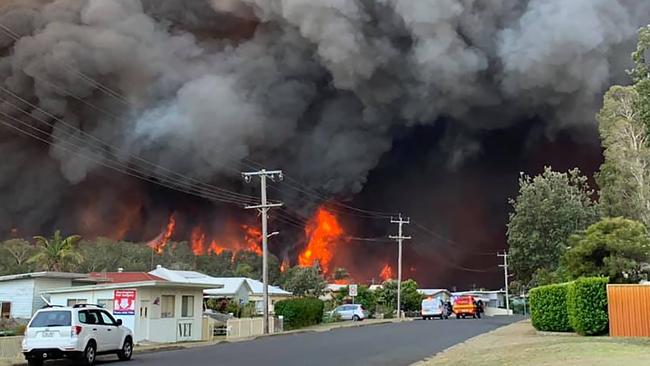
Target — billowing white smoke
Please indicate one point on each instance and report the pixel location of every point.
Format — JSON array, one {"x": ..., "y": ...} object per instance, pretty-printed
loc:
[{"x": 317, "y": 89}]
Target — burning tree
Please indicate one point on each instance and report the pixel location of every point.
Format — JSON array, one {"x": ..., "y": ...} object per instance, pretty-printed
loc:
[{"x": 324, "y": 233}]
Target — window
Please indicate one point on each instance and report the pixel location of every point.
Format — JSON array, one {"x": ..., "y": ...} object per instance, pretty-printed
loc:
[
  {"x": 6, "y": 310},
  {"x": 187, "y": 306},
  {"x": 167, "y": 303},
  {"x": 106, "y": 304},
  {"x": 57, "y": 318},
  {"x": 73, "y": 302},
  {"x": 88, "y": 317},
  {"x": 105, "y": 318}
]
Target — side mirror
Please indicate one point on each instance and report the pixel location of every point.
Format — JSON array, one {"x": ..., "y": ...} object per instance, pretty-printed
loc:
[{"x": 119, "y": 322}]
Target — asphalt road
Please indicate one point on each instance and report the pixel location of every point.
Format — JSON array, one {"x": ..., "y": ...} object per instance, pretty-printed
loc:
[{"x": 386, "y": 344}]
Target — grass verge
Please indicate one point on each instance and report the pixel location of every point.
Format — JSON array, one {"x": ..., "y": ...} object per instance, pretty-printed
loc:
[{"x": 519, "y": 344}]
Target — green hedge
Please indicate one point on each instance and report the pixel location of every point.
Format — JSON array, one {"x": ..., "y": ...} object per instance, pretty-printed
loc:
[
  {"x": 587, "y": 305},
  {"x": 301, "y": 312},
  {"x": 548, "y": 308}
]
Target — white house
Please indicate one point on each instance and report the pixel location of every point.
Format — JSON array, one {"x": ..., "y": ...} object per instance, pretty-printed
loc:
[
  {"x": 240, "y": 289},
  {"x": 234, "y": 288},
  {"x": 436, "y": 293},
  {"x": 20, "y": 295},
  {"x": 492, "y": 299},
  {"x": 157, "y": 310}
]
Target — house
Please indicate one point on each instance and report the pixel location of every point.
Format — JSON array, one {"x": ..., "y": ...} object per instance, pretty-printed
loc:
[
  {"x": 331, "y": 290},
  {"x": 234, "y": 288},
  {"x": 240, "y": 289},
  {"x": 436, "y": 293},
  {"x": 20, "y": 294},
  {"x": 257, "y": 295},
  {"x": 492, "y": 299},
  {"x": 156, "y": 309}
]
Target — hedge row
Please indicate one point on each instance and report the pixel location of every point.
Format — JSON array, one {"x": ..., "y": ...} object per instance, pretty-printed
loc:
[
  {"x": 300, "y": 312},
  {"x": 580, "y": 305},
  {"x": 587, "y": 305},
  {"x": 548, "y": 308}
]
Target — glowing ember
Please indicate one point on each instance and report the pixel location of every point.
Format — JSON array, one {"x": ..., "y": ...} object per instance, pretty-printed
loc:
[
  {"x": 158, "y": 244},
  {"x": 386, "y": 273},
  {"x": 323, "y": 234},
  {"x": 343, "y": 281}
]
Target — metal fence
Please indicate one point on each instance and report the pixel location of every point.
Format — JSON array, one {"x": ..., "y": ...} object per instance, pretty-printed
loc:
[{"x": 628, "y": 310}]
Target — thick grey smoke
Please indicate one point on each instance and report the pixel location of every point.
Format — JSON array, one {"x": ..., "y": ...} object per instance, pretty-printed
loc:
[{"x": 316, "y": 87}]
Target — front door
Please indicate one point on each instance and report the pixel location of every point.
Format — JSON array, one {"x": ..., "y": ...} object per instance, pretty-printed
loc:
[
  {"x": 142, "y": 330},
  {"x": 113, "y": 334}
]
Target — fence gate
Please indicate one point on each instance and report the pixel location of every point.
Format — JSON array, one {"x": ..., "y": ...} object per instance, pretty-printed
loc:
[{"x": 629, "y": 310}]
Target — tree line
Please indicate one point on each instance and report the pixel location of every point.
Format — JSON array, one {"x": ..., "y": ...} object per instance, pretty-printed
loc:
[{"x": 561, "y": 229}]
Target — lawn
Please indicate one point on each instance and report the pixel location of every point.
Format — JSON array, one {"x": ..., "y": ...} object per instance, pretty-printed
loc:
[{"x": 519, "y": 344}]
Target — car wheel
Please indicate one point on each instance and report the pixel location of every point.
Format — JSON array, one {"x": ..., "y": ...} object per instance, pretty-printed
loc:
[
  {"x": 127, "y": 350},
  {"x": 35, "y": 362},
  {"x": 88, "y": 358},
  {"x": 356, "y": 318}
]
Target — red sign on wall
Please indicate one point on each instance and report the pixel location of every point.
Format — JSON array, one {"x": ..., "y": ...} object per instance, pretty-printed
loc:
[{"x": 124, "y": 302}]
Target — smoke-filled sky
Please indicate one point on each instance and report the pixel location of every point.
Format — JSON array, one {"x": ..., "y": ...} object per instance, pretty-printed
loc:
[{"x": 435, "y": 104}]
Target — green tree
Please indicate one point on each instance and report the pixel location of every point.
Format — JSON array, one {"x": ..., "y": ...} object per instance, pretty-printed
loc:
[
  {"x": 615, "y": 247},
  {"x": 411, "y": 299},
  {"x": 218, "y": 265},
  {"x": 58, "y": 253},
  {"x": 307, "y": 281},
  {"x": 641, "y": 74},
  {"x": 549, "y": 208},
  {"x": 365, "y": 297},
  {"x": 624, "y": 176},
  {"x": 15, "y": 255}
]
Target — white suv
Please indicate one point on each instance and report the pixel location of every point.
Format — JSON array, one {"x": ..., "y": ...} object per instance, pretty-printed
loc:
[{"x": 80, "y": 332}]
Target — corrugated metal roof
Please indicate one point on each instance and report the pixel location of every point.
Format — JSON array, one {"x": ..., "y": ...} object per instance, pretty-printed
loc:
[
  {"x": 121, "y": 277},
  {"x": 63, "y": 275}
]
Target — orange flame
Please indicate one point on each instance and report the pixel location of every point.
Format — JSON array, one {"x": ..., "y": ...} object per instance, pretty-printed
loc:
[
  {"x": 386, "y": 273},
  {"x": 197, "y": 241},
  {"x": 248, "y": 241},
  {"x": 323, "y": 233},
  {"x": 158, "y": 244},
  {"x": 284, "y": 265}
]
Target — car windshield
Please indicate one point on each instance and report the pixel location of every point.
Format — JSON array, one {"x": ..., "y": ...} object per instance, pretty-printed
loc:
[{"x": 58, "y": 318}]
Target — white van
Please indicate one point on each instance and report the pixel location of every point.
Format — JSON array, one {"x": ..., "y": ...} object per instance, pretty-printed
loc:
[{"x": 433, "y": 308}]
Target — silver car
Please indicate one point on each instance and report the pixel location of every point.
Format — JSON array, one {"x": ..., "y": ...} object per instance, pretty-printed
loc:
[{"x": 354, "y": 312}]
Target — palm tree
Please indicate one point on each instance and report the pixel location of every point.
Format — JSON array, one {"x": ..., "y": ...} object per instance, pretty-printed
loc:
[{"x": 57, "y": 253}]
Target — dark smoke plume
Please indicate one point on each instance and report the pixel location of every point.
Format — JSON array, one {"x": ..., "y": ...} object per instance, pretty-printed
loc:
[{"x": 315, "y": 87}]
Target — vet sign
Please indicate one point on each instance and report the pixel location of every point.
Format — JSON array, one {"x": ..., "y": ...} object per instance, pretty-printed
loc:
[
  {"x": 124, "y": 302},
  {"x": 353, "y": 290}
]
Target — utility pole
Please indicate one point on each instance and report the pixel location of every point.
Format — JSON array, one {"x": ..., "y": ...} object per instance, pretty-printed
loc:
[
  {"x": 399, "y": 238},
  {"x": 263, "y": 208},
  {"x": 505, "y": 276}
]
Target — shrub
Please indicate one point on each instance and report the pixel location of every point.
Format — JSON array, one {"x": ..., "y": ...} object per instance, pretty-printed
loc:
[
  {"x": 300, "y": 312},
  {"x": 587, "y": 305},
  {"x": 548, "y": 308}
]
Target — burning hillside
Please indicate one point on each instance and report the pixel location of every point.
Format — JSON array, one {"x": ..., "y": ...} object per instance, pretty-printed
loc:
[{"x": 115, "y": 114}]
